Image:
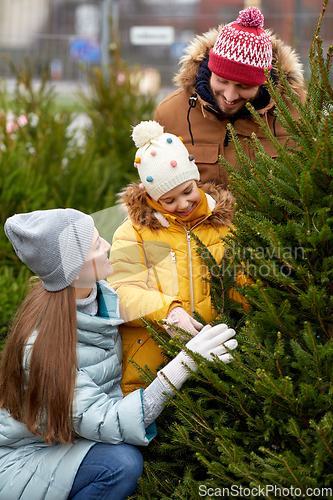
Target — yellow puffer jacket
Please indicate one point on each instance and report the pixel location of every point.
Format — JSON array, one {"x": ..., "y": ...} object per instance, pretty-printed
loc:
[{"x": 156, "y": 268}]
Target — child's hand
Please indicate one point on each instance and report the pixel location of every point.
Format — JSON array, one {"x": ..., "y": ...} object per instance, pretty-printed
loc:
[{"x": 179, "y": 317}]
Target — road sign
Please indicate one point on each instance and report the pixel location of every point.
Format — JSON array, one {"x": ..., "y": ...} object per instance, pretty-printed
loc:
[
  {"x": 85, "y": 50},
  {"x": 152, "y": 35}
]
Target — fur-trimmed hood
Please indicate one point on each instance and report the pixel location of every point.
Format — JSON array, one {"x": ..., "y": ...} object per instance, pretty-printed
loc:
[
  {"x": 198, "y": 50},
  {"x": 133, "y": 201}
]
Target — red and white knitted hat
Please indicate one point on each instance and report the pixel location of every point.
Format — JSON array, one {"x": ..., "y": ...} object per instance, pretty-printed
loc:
[{"x": 243, "y": 49}]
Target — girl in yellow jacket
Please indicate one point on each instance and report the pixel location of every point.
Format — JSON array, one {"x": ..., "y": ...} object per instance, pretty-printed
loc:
[{"x": 157, "y": 271}]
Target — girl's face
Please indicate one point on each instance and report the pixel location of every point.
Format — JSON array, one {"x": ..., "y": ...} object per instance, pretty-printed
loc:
[
  {"x": 182, "y": 199},
  {"x": 97, "y": 265}
]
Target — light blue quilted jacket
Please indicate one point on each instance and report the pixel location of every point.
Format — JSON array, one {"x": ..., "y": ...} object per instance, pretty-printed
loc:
[{"x": 33, "y": 470}]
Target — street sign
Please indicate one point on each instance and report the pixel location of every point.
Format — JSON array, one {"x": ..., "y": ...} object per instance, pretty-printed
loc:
[
  {"x": 85, "y": 50},
  {"x": 152, "y": 35},
  {"x": 87, "y": 21}
]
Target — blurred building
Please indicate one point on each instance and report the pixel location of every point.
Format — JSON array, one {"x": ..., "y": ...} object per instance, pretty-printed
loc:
[{"x": 152, "y": 33}]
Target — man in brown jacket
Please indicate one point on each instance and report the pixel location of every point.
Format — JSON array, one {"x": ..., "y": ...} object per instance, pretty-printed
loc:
[{"x": 220, "y": 72}]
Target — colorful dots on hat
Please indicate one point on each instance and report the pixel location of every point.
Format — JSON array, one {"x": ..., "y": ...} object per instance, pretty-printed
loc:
[
  {"x": 162, "y": 159},
  {"x": 191, "y": 157},
  {"x": 141, "y": 186},
  {"x": 135, "y": 165}
]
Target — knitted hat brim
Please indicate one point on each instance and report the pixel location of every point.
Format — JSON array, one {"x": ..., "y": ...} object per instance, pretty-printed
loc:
[
  {"x": 173, "y": 182},
  {"x": 236, "y": 71}
]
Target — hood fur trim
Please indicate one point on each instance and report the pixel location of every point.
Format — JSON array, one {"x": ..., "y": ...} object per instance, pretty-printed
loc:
[
  {"x": 199, "y": 48},
  {"x": 133, "y": 201}
]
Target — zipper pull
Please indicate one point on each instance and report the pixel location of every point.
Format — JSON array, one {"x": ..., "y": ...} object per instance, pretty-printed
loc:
[
  {"x": 173, "y": 257},
  {"x": 188, "y": 236}
]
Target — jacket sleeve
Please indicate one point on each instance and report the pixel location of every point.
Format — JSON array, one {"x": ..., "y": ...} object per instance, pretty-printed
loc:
[
  {"x": 137, "y": 277},
  {"x": 98, "y": 417},
  {"x": 241, "y": 280}
]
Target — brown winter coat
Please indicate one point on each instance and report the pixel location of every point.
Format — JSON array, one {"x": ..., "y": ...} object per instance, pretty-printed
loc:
[{"x": 209, "y": 129}]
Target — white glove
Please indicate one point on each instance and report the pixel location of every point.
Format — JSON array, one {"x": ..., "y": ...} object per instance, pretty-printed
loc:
[
  {"x": 211, "y": 340},
  {"x": 179, "y": 317}
]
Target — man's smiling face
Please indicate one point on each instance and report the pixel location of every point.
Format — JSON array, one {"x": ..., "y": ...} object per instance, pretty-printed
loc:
[{"x": 231, "y": 96}]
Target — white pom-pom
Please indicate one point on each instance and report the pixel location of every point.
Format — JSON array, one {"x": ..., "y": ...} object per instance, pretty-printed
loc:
[{"x": 146, "y": 131}]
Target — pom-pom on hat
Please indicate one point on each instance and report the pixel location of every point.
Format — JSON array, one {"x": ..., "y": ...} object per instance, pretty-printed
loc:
[
  {"x": 53, "y": 243},
  {"x": 162, "y": 160},
  {"x": 243, "y": 49}
]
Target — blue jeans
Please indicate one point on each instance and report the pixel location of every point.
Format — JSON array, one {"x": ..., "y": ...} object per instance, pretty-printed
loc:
[{"x": 107, "y": 472}]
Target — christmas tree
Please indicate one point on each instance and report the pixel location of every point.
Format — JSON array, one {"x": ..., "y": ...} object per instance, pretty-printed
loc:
[{"x": 262, "y": 425}]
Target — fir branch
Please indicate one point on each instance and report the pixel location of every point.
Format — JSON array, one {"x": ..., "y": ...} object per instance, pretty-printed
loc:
[
  {"x": 280, "y": 458},
  {"x": 221, "y": 282},
  {"x": 325, "y": 86},
  {"x": 316, "y": 32},
  {"x": 281, "y": 103},
  {"x": 326, "y": 423},
  {"x": 302, "y": 135},
  {"x": 294, "y": 430}
]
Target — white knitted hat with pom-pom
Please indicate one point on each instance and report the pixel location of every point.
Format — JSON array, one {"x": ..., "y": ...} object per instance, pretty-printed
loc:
[{"x": 162, "y": 160}]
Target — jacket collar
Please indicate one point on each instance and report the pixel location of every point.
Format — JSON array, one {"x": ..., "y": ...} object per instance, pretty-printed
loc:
[
  {"x": 200, "y": 212},
  {"x": 106, "y": 322},
  {"x": 133, "y": 201}
]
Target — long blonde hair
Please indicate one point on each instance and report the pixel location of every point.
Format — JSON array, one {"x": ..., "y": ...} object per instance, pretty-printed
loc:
[{"x": 44, "y": 400}]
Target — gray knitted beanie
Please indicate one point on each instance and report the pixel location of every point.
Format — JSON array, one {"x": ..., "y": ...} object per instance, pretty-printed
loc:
[{"x": 53, "y": 243}]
